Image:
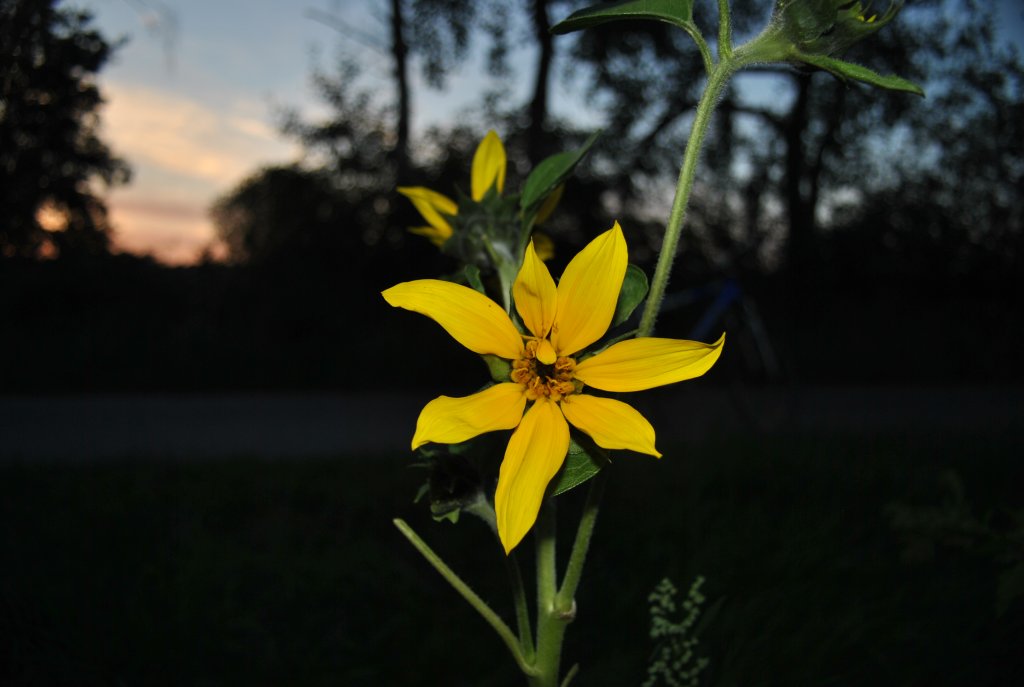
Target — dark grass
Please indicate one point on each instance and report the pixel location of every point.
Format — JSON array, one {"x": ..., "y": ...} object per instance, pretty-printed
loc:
[{"x": 291, "y": 573}]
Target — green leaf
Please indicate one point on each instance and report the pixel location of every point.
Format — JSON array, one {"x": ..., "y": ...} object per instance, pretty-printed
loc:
[
  {"x": 844, "y": 70},
  {"x": 552, "y": 171},
  {"x": 584, "y": 460},
  {"x": 677, "y": 12},
  {"x": 634, "y": 289}
]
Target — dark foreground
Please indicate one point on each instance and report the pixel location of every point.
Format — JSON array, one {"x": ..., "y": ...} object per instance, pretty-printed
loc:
[{"x": 830, "y": 560}]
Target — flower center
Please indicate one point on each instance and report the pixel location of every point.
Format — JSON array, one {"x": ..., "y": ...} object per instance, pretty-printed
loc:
[{"x": 554, "y": 380}]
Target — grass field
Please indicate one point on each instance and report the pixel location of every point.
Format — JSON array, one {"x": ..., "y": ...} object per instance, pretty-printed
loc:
[{"x": 290, "y": 573}]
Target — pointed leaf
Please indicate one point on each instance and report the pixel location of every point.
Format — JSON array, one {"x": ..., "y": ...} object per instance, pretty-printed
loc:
[
  {"x": 551, "y": 172},
  {"x": 634, "y": 290},
  {"x": 677, "y": 12},
  {"x": 844, "y": 70},
  {"x": 584, "y": 460}
]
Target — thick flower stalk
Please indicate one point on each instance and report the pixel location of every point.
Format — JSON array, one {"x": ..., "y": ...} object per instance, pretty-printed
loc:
[{"x": 550, "y": 371}]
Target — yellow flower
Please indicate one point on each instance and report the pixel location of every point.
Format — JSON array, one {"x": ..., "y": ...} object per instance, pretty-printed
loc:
[
  {"x": 434, "y": 207},
  {"x": 488, "y": 171},
  {"x": 545, "y": 393}
]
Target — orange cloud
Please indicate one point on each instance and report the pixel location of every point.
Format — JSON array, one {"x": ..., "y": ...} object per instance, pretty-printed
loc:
[
  {"x": 184, "y": 155},
  {"x": 174, "y": 234}
]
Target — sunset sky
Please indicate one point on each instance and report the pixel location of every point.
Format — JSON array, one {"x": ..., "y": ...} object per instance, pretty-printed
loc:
[{"x": 196, "y": 114}]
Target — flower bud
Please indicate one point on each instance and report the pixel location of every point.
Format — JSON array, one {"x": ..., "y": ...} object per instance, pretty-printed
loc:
[
  {"x": 811, "y": 33},
  {"x": 828, "y": 27}
]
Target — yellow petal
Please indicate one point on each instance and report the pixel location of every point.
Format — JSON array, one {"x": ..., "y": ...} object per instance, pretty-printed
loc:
[
  {"x": 473, "y": 319},
  {"x": 544, "y": 246},
  {"x": 437, "y": 236},
  {"x": 431, "y": 205},
  {"x": 645, "y": 363},
  {"x": 611, "y": 424},
  {"x": 447, "y": 420},
  {"x": 534, "y": 455},
  {"x": 535, "y": 294},
  {"x": 549, "y": 205},
  {"x": 546, "y": 352},
  {"x": 588, "y": 291},
  {"x": 488, "y": 166}
]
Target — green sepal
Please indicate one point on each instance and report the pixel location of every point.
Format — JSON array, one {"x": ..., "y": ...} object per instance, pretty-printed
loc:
[
  {"x": 633, "y": 291},
  {"x": 493, "y": 203},
  {"x": 552, "y": 171},
  {"x": 584, "y": 460},
  {"x": 451, "y": 516},
  {"x": 424, "y": 490},
  {"x": 498, "y": 367},
  {"x": 848, "y": 70},
  {"x": 676, "y": 12},
  {"x": 471, "y": 273}
]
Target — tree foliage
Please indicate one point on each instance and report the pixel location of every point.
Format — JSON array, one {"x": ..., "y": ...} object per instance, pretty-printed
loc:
[
  {"x": 50, "y": 150},
  {"x": 800, "y": 170},
  {"x": 796, "y": 158},
  {"x": 280, "y": 214}
]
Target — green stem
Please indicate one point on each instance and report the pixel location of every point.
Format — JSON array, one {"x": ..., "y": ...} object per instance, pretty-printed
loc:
[
  {"x": 556, "y": 607},
  {"x": 724, "y": 30},
  {"x": 712, "y": 90},
  {"x": 550, "y": 627},
  {"x": 702, "y": 45},
  {"x": 522, "y": 612},
  {"x": 565, "y": 601},
  {"x": 469, "y": 595}
]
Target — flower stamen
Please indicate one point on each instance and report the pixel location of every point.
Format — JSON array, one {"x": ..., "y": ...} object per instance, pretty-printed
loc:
[{"x": 553, "y": 381}]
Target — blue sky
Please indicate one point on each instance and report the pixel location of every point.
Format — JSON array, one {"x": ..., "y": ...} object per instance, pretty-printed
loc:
[{"x": 195, "y": 116}]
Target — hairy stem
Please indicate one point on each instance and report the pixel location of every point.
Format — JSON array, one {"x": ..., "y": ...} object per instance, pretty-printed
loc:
[
  {"x": 550, "y": 627},
  {"x": 670, "y": 243},
  {"x": 522, "y": 612},
  {"x": 724, "y": 30},
  {"x": 565, "y": 599}
]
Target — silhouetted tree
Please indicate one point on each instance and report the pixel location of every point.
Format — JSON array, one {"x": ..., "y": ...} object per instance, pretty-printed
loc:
[
  {"x": 958, "y": 157},
  {"x": 396, "y": 48},
  {"x": 443, "y": 33},
  {"x": 50, "y": 151},
  {"x": 281, "y": 214},
  {"x": 353, "y": 146}
]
